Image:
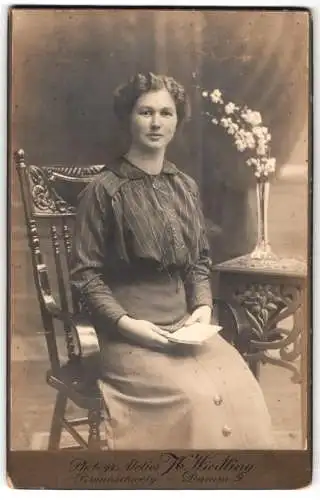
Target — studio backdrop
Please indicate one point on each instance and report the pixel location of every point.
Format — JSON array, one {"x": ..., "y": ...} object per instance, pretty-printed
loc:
[{"x": 66, "y": 64}]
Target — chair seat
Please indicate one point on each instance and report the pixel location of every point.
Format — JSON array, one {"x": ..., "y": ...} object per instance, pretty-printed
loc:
[{"x": 78, "y": 381}]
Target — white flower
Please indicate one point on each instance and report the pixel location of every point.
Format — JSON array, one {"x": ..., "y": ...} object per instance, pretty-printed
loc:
[
  {"x": 241, "y": 146},
  {"x": 246, "y": 138},
  {"x": 252, "y": 117},
  {"x": 252, "y": 161},
  {"x": 272, "y": 162},
  {"x": 216, "y": 96},
  {"x": 261, "y": 133},
  {"x": 261, "y": 149},
  {"x": 257, "y": 131},
  {"x": 271, "y": 165},
  {"x": 225, "y": 122},
  {"x": 249, "y": 136},
  {"x": 241, "y": 133},
  {"x": 250, "y": 140},
  {"x": 246, "y": 114},
  {"x": 255, "y": 118},
  {"x": 230, "y": 108},
  {"x": 255, "y": 163},
  {"x": 232, "y": 128}
]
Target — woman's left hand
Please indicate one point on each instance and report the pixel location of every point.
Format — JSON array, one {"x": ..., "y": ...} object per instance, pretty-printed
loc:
[{"x": 200, "y": 315}]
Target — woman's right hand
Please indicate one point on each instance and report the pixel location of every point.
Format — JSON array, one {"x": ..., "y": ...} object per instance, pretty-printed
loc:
[{"x": 143, "y": 332}]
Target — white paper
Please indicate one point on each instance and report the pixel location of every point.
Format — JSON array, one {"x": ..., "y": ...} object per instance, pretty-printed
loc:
[{"x": 194, "y": 334}]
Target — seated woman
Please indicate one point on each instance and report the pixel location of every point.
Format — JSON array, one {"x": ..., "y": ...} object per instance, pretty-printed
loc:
[{"x": 141, "y": 267}]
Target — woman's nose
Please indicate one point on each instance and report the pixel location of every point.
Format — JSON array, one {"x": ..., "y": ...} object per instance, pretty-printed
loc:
[{"x": 155, "y": 122}]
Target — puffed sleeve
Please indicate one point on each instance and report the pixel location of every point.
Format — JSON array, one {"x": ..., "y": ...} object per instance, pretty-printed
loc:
[
  {"x": 197, "y": 279},
  {"x": 89, "y": 253}
]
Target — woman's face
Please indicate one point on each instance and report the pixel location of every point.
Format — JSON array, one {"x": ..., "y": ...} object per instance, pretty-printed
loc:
[{"x": 153, "y": 120}]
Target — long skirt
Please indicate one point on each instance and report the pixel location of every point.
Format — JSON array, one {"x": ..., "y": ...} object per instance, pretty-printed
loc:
[{"x": 193, "y": 397}]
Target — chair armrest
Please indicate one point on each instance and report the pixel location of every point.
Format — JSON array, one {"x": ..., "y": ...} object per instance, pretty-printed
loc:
[
  {"x": 84, "y": 332},
  {"x": 87, "y": 335},
  {"x": 46, "y": 296}
]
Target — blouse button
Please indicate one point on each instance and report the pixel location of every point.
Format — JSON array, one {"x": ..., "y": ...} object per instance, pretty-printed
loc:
[
  {"x": 226, "y": 431},
  {"x": 217, "y": 400}
]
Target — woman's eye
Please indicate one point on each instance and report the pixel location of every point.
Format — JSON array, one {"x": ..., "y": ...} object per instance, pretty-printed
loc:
[
  {"x": 145, "y": 112},
  {"x": 167, "y": 113}
]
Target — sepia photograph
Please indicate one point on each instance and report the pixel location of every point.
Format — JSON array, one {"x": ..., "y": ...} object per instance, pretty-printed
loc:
[{"x": 160, "y": 243}]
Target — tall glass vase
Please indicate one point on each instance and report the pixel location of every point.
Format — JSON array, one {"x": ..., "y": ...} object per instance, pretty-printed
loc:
[{"x": 262, "y": 250}]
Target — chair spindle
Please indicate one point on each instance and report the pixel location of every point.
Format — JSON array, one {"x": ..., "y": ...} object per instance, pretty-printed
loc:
[
  {"x": 42, "y": 287},
  {"x": 62, "y": 290},
  {"x": 67, "y": 239}
]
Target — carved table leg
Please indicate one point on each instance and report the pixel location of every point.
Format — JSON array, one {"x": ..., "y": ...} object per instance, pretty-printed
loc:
[
  {"x": 266, "y": 306},
  {"x": 273, "y": 297}
]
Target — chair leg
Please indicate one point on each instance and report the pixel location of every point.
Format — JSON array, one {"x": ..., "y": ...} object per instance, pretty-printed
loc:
[
  {"x": 94, "y": 441},
  {"x": 56, "y": 423}
]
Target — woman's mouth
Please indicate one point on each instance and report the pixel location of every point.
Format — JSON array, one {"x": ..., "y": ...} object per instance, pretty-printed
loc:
[{"x": 155, "y": 136}]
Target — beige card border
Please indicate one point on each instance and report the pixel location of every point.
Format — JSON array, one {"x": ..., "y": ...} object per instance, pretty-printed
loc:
[
  {"x": 160, "y": 470},
  {"x": 230, "y": 469}
]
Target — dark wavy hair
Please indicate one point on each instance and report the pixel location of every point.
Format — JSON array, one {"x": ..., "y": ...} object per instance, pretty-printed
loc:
[{"x": 126, "y": 95}]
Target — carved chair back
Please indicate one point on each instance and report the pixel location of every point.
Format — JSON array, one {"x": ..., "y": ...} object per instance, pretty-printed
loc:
[{"x": 49, "y": 195}]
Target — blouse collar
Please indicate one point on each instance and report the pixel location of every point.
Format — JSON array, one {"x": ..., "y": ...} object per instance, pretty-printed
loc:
[{"x": 127, "y": 170}]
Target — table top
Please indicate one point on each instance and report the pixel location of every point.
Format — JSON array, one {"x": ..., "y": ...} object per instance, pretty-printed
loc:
[{"x": 279, "y": 266}]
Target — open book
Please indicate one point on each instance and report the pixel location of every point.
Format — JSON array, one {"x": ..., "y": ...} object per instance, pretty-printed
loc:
[{"x": 194, "y": 334}]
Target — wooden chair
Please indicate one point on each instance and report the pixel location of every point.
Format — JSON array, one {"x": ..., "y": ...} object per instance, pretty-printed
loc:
[
  {"x": 49, "y": 195},
  {"x": 49, "y": 199}
]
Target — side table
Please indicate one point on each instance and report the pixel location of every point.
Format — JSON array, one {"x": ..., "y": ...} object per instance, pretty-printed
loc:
[{"x": 271, "y": 300}]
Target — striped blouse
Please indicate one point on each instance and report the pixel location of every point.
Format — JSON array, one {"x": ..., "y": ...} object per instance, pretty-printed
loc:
[{"x": 130, "y": 224}]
